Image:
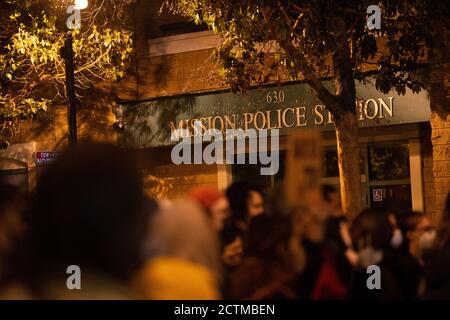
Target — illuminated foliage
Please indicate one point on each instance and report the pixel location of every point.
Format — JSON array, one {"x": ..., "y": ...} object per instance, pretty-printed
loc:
[
  {"x": 300, "y": 37},
  {"x": 32, "y": 68}
]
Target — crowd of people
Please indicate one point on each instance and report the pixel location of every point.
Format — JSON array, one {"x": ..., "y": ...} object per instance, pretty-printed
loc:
[{"x": 90, "y": 210}]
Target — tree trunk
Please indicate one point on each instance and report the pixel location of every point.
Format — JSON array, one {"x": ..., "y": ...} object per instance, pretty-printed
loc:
[
  {"x": 344, "y": 112},
  {"x": 349, "y": 167},
  {"x": 341, "y": 105},
  {"x": 440, "y": 117}
]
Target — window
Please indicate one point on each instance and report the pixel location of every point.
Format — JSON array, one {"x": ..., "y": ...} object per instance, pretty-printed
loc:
[
  {"x": 389, "y": 162},
  {"x": 331, "y": 165},
  {"x": 385, "y": 174},
  {"x": 251, "y": 173}
]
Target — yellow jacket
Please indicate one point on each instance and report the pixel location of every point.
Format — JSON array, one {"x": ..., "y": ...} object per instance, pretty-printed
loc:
[{"x": 166, "y": 278}]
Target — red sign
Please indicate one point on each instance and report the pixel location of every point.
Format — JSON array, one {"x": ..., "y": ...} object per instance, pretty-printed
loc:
[
  {"x": 45, "y": 158},
  {"x": 377, "y": 195}
]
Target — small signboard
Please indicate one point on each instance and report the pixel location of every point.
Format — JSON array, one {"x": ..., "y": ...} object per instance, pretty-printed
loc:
[
  {"x": 377, "y": 195},
  {"x": 303, "y": 167},
  {"x": 46, "y": 158}
]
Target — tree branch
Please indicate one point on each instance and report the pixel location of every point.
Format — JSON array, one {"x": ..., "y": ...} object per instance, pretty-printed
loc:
[{"x": 295, "y": 55}]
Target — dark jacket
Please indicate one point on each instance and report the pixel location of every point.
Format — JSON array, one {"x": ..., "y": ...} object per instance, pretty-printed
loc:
[
  {"x": 320, "y": 280},
  {"x": 335, "y": 243},
  {"x": 390, "y": 289},
  {"x": 408, "y": 272},
  {"x": 437, "y": 273},
  {"x": 252, "y": 280},
  {"x": 400, "y": 276}
]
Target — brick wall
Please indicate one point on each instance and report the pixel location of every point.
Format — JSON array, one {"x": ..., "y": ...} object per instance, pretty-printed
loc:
[
  {"x": 441, "y": 158},
  {"x": 440, "y": 118},
  {"x": 165, "y": 75},
  {"x": 177, "y": 74}
]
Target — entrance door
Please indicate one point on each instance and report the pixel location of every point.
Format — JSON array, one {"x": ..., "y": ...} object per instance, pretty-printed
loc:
[
  {"x": 389, "y": 184},
  {"x": 385, "y": 174}
]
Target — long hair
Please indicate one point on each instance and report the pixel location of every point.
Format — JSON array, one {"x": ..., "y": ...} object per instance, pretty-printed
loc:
[
  {"x": 237, "y": 195},
  {"x": 372, "y": 228},
  {"x": 182, "y": 230}
]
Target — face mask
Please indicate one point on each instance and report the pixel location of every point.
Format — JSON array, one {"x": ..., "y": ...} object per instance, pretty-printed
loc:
[
  {"x": 397, "y": 238},
  {"x": 426, "y": 240},
  {"x": 369, "y": 256}
]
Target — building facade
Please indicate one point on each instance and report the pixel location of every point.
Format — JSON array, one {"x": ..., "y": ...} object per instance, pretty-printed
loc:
[{"x": 174, "y": 82}]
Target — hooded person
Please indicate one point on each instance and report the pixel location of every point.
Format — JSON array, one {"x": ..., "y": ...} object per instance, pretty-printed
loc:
[{"x": 183, "y": 256}]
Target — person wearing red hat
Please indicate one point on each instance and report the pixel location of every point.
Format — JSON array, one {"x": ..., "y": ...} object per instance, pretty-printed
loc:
[{"x": 215, "y": 204}]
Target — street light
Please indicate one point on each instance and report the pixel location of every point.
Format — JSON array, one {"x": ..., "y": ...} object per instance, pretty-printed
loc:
[
  {"x": 81, "y": 4},
  {"x": 73, "y": 23}
]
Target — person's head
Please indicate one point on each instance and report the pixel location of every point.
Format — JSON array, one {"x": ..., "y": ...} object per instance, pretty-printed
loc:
[
  {"x": 89, "y": 211},
  {"x": 272, "y": 239},
  {"x": 246, "y": 201},
  {"x": 418, "y": 230},
  {"x": 214, "y": 202},
  {"x": 332, "y": 198},
  {"x": 182, "y": 230},
  {"x": 12, "y": 204},
  {"x": 372, "y": 228}
]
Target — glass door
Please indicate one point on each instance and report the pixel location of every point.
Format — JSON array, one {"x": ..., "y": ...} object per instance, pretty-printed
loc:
[
  {"x": 389, "y": 184},
  {"x": 385, "y": 174}
]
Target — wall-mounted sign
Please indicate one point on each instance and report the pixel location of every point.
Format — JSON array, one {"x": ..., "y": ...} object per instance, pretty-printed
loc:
[
  {"x": 377, "y": 195},
  {"x": 46, "y": 158},
  {"x": 151, "y": 123}
]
